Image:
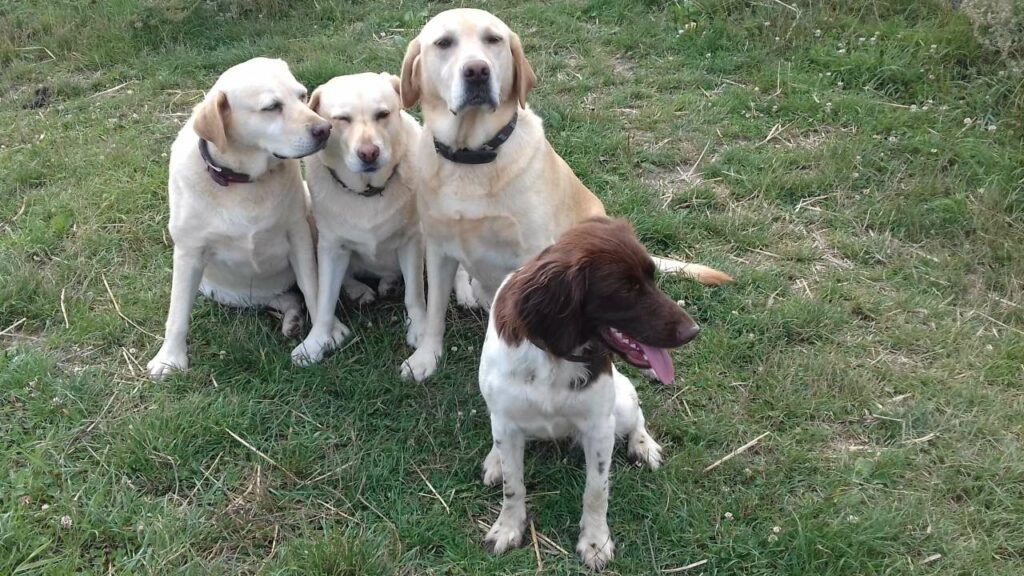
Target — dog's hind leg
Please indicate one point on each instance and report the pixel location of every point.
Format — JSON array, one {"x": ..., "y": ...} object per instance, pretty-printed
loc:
[
  {"x": 288, "y": 306},
  {"x": 358, "y": 292},
  {"x": 464, "y": 293}
]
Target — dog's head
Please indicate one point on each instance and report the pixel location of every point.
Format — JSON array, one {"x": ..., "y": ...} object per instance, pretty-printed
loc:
[
  {"x": 259, "y": 105},
  {"x": 365, "y": 115},
  {"x": 466, "y": 58},
  {"x": 595, "y": 286}
]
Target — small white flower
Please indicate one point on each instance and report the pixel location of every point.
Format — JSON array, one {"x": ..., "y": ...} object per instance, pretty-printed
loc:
[
  {"x": 728, "y": 515},
  {"x": 455, "y": 348},
  {"x": 991, "y": 128},
  {"x": 776, "y": 529},
  {"x": 913, "y": 107},
  {"x": 861, "y": 39},
  {"x": 935, "y": 150},
  {"x": 968, "y": 121},
  {"x": 767, "y": 23},
  {"x": 841, "y": 51},
  {"x": 44, "y": 507},
  {"x": 817, "y": 33},
  {"x": 772, "y": 537},
  {"x": 855, "y": 174},
  {"x": 840, "y": 85},
  {"x": 65, "y": 522}
]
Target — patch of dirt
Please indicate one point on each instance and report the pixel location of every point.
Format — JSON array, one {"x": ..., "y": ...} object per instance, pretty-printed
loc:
[{"x": 622, "y": 66}]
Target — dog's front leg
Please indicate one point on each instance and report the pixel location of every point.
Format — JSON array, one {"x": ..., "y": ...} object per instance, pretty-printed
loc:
[
  {"x": 440, "y": 277},
  {"x": 595, "y": 546},
  {"x": 327, "y": 331},
  {"x": 410, "y": 260},
  {"x": 186, "y": 275},
  {"x": 300, "y": 256},
  {"x": 508, "y": 530}
]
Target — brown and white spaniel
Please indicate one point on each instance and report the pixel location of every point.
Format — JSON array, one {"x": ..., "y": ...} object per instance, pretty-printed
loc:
[{"x": 546, "y": 368}]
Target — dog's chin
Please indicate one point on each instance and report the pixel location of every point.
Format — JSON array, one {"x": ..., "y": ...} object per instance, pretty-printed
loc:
[
  {"x": 477, "y": 100},
  {"x": 293, "y": 156}
]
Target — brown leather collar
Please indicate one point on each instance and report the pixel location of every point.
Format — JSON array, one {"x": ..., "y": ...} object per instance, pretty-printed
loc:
[{"x": 221, "y": 175}]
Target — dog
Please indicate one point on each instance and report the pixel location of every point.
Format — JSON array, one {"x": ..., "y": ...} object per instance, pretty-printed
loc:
[
  {"x": 364, "y": 203},
  {"x": 493, "y": 191},
  {"x": 546, "y": 367},
  {"x": 238, "y": 208}
]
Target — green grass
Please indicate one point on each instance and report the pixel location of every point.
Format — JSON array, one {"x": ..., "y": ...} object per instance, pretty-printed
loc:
[{"x": 875, "y": 328}]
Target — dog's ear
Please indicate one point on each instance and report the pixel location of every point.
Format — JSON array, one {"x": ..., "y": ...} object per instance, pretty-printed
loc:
[
  {"x": 523, "y": 78},
  {"x": 409, "y": 87},
  {"x": 396, "y": 82},
  {"x": 211, "y": 122},
  {"x": 550, "y": 304},
  {"x": 314, "y": 101}
]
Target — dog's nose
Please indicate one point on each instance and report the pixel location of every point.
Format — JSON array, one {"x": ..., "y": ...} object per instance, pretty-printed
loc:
[
  {"x": 476, "y": 71},
  {"x": 368, "y": 153},
  {"x": 321, "y": 132},
  {"x": 688, "y": 332}
]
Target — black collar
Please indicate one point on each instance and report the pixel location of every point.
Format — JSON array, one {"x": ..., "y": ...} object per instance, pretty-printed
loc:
[
  {"x": 482, "y": 155},
  {"x": 370, "y": 191},
  {"x": 220, "y": 174},
  {"x": 598, "y": 360}
]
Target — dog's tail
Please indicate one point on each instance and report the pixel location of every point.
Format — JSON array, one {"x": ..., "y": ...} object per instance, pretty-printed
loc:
[{"x": 703, "y": 274}]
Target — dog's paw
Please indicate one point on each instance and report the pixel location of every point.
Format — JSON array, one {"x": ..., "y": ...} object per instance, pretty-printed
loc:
[
  {"x": 507, "y": 533},
  {"x": 388, "y": 286},
  {"x": 644, "y": 450},
  {"x": 421, "y": 365},
  {"x": 414, "y": 332},
  {"x": 492, "y": 468},
  {"x": 167, "y": 361},
  {"x": 315, "y": 346},
  {"x": 464, "y": 290},
  {"x": 292, "y": 322},
  {"x": 596, "y": 548},
  {"x": 339, "y": 332},
  {"x": 359, "y": 293}
]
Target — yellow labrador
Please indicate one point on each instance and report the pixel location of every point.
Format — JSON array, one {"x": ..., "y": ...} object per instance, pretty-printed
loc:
[
  {"x": 364, "y": 203},
  {"x": 238, "y": 209},
  {"x": 493, "y": 191}
]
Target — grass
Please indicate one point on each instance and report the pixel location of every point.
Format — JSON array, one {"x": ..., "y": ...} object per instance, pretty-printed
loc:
[{"x": 858, "y": 166}]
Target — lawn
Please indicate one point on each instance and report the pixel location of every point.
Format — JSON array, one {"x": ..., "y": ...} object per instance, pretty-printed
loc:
[{"x": 857, "y": 166}]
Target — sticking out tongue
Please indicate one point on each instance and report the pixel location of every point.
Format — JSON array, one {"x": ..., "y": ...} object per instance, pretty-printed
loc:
[{"x": 660, "y": 362}]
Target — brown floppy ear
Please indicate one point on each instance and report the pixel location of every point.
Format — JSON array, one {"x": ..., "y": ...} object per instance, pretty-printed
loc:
[
  {"x": 410, "y": 84},
  {"x": 314, "y": 101},
  {"x": 550, "y": 304},
  {"x": 523, "y": 79},
  {"x": 212, "y": 118}
]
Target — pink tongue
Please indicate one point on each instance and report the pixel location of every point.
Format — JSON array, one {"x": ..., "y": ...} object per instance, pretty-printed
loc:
[{"x": 660, "y": 362}]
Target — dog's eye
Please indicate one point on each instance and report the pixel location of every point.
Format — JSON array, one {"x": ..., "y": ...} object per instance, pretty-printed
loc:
[
  {"x": 345, "y": 119},
  {"x": 382, "y": 114},
  {"x": 444, "y": 42},
  {"x": 492, "y": 39},
  {"x": 276, "y": 106},
  {"x": 303, "y": 97}
]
